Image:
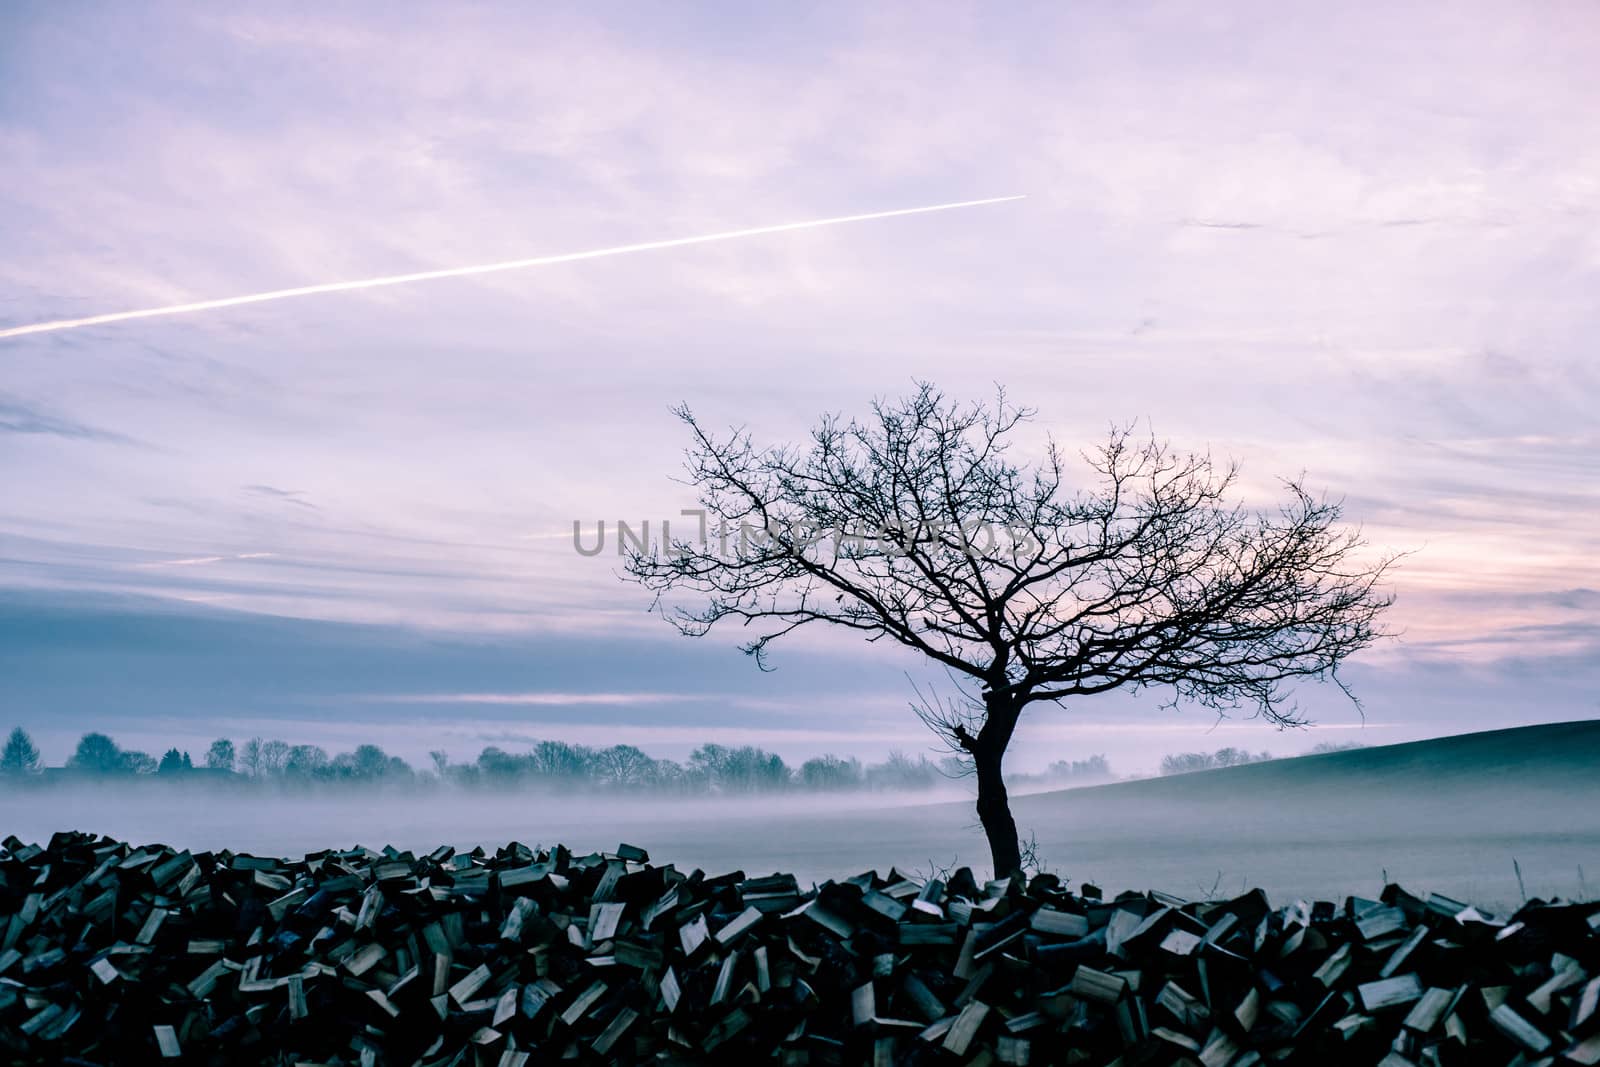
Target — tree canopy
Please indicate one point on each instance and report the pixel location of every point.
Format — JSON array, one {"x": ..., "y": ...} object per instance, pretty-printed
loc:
[{"x": 20, "y": 755}]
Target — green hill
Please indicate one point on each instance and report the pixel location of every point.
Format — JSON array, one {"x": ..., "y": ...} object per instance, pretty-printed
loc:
[{"x": 1554, "y": 757}]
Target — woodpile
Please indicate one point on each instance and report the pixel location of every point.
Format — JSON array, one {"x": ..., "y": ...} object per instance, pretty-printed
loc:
[{"x": 111, "y": 953}]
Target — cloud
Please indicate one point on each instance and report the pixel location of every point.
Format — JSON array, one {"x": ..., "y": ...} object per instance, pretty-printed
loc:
[
  {"x": 194, "y": 561},
  {"x": 21, "y": 418},
  {"x": 185, "y": 670},
  {"x": 288, "y": 496},
  {"x": 1428, "y": 356},
  {"x": 544, "y": 699}
]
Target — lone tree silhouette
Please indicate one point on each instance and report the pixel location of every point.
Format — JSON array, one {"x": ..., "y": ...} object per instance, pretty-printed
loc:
[{"x": 916, "y": 525}]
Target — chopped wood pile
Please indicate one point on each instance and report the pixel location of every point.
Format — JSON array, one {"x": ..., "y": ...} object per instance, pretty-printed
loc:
[{"x": 120, "y": 954}]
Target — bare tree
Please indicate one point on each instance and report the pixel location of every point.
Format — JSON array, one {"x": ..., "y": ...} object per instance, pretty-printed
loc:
[
  {"x": 624, "y": 766},
  {"x": 250, "y": 760},
  {"x": 916, "y": 525},
  {"x": 274, "y": 754}
]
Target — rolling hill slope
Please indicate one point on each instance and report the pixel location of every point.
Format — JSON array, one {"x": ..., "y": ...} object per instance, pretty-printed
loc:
[
  {"x": 1550, "y": 757},
  {"x": 1450, "y": 814}
]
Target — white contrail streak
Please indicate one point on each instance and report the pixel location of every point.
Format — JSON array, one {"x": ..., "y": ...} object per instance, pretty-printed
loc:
[{"x": 482, "y": 268}]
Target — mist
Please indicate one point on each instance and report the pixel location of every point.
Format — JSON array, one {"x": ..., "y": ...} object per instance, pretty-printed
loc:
[{"x": 1465, "y": 817}]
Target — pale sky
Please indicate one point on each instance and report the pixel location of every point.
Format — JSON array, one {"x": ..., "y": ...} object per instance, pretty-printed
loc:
[{"x": 1359, "y": 242}]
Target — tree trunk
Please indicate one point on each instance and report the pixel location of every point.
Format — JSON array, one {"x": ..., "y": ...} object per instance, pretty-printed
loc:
[
  {"x": 994, "y": 811},
  {"x": 994, "y": 807}
]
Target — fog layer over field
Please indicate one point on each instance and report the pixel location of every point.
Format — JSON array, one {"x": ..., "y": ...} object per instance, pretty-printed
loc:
[{"x": 1446, "y": 816}]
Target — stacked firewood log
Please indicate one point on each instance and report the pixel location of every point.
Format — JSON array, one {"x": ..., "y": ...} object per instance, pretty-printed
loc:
[{"x": 112, "y": 953}]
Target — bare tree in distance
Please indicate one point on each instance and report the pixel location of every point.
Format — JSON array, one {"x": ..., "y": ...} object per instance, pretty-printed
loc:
[{"x": 1147, "y": 578}]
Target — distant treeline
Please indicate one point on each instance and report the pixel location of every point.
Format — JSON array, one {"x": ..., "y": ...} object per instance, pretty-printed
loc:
[
  {"x": 1188, "y": 762},
  {"x": 710, "y": 768}
]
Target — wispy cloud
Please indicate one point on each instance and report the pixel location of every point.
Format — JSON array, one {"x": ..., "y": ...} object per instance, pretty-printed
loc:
[
  {"x": 531, "y": 699},
  {"x": 21, "y": 418},
  {"x": 195, "y": 561},
  {"x": 288, "y": 496}
]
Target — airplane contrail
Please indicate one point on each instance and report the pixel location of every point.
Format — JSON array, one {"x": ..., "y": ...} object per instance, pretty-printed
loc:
[{"x": 482, "y": 268}]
